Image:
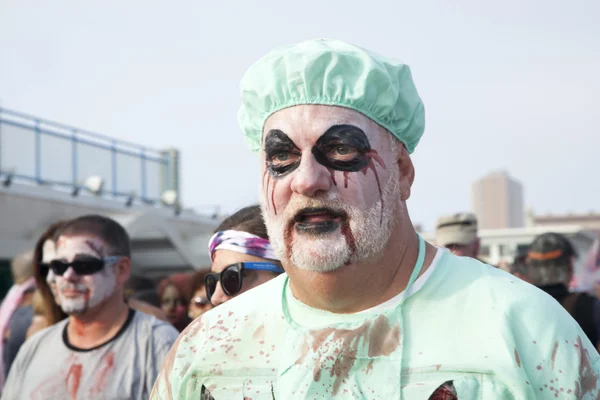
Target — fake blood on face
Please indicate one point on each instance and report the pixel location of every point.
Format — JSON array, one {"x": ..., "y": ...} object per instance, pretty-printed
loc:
[
  {"x": 266, "y": 175},
  {"x": 346, "y": 148},
  {"x": 347, "y": 233},
  {"x": 287, "y": 238},
  {"x": 273, "y": 197},
  {"x": 372, "y": 154},
  {"x": 267, "y": 184},
  {"x": 332, "y": 173}
]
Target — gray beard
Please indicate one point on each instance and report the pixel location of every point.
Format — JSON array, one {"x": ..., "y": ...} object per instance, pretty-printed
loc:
[{"x": 328, "y": 252}]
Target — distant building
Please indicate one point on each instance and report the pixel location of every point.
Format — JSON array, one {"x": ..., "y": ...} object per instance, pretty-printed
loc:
[
  {"x": 497, "y": 200},
  {"x": 589, "y": 221},
  {"x": 500, "y": 246}
]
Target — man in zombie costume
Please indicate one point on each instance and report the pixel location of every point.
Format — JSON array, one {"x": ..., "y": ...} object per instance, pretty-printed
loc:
[
  {"x": 104, "y": 349},
  {"x": 366, "y": 309}
]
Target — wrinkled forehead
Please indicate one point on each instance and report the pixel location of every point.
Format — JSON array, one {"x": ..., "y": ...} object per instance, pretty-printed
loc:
[
  {"x": 304, "y": 124},
  {"x": 70, "y": 246}
]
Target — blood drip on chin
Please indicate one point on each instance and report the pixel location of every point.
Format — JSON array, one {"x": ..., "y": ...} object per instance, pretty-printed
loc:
[
  {"x": 347, "y": 232},
  {"x": 372, "y": 154},
  {"x": 287, "y": 239}
]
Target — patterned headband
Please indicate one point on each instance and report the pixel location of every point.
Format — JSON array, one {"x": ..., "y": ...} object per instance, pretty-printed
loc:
[{"x": 241, "y": 242}]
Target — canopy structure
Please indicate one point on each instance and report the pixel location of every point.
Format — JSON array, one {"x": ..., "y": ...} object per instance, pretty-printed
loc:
[{"x": 163, "y": 241}]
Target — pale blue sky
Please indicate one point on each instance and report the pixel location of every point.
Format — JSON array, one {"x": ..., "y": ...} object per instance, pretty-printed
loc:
[{"x": 507, "y": 85}]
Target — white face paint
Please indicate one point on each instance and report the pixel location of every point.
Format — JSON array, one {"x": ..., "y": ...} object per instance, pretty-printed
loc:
[
  {"x": 76, "y": 293},
  {"x": 371, "y": 229},
  {"x": 49, "y": 254},
  {"x": 368, "y": 199},
  {"x": 48, "y": 251}
]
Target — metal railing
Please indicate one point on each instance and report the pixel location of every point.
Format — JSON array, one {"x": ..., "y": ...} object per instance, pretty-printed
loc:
[{"x": 44, "y": 152}]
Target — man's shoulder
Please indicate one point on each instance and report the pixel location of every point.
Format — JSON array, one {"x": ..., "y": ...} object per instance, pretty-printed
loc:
[
  {"x": 47, "y": 338},
  {"x": 50, "y": 333},
  {"x": 156, "y": 329},
  {"x": 483, "y": 281},
  {"x": 263, "y": 299},
  {"x": 241, "y": 315}
]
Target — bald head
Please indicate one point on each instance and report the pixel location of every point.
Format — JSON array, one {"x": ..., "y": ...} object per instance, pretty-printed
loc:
[{"x": 22, "y": 266}]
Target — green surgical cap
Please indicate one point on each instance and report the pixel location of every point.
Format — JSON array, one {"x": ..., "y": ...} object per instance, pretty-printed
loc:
[{"x": 333, "y": 73}]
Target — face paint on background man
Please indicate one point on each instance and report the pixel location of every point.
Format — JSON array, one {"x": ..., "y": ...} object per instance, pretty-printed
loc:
[
  {"x": 306, "y": 232},
  {"x": 76, "y": 293},
  {"x": 49, "y": 254}
]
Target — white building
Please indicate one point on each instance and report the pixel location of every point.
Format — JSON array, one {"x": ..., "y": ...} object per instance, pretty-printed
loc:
[{"x": 500, "y": 246}]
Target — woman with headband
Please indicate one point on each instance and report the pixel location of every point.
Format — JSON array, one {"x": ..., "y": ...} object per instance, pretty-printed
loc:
[{"x": 242, "y": 257}]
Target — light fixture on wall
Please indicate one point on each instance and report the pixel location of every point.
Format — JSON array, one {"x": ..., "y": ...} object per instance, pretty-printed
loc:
[
  {"x": 8, "y": 178},
  {"x": 130, "y": 199},
  {"x": 170, "y": 198},
  {"x": 94, "y": 184}
]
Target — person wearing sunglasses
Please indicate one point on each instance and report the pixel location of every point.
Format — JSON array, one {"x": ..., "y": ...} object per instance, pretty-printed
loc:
[
  {"x": 366, "y": 309},
  {"x": 104, "y": 349},
  {"x": 199, "y": 304},
  {"x": 242, "y": 256}
]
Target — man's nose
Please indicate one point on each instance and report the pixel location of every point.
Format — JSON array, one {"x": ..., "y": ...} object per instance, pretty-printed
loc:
[
  {"x": 311, "y": 177},
  {"x": 70, "y": 274},
  {"x": 219, "y": 296}
]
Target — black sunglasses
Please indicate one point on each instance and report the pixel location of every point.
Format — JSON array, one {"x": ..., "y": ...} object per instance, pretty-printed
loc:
[
  {"x": 88, "y": 266},
  {"x": 231, "y": 277},
  {"x": 44, "y": 268}
]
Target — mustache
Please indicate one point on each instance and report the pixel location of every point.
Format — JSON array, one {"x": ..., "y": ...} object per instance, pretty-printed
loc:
[
  {"x": 308, "y": 211},
  {"x": 80, "y": 287},
  {"x": 304, "y": 205}
]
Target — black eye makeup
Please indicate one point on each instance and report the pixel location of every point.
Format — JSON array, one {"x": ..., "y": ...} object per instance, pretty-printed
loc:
[
  {"x": 343, "y": 148},
  {"x": 282, "y": 154}
]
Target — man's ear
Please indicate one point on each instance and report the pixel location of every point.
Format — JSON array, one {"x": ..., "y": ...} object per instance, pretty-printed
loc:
[
  {"x": 123, "y": 270},
  {"x": 407, "y": 172}
]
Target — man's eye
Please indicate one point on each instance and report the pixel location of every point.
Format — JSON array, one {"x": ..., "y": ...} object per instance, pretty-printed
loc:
[
  {"x": 282, "y": 162},
  {"x": 280, "y": 157},
  {"x": 283, "y": 159},
  {"x": 342, "y": 152}
]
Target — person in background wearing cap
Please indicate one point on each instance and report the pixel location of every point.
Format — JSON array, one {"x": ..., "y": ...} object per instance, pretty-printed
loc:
[
  {"x": 550, "y": 267},
  {"x": 366, "y": 309},
  {"x": 519, "y": 267},
  {"x": 458, "y": 233}
]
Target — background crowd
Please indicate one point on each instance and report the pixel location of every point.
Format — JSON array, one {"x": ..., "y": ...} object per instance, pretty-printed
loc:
[{"x": 32, "y": 304}]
